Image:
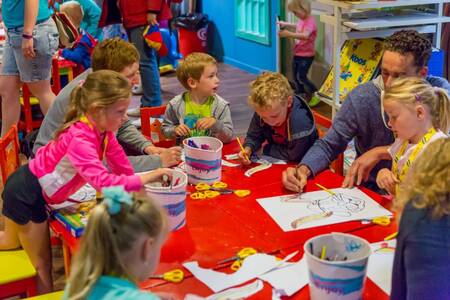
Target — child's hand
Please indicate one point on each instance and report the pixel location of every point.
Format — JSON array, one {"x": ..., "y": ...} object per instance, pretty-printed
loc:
[
  {"x": 206, "y": 123},
  {"x": 244, "y": 156},
  {"x": 284, "y": 33},
  {"x": 387, "y": 180},
  {"x": 170, "y": 157},
  {"x": 157, "y": 176},
  {"x": 182, "y": 130}
]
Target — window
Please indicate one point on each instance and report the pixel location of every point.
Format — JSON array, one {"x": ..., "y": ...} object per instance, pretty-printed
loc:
[{"x": 252, "y": 20}]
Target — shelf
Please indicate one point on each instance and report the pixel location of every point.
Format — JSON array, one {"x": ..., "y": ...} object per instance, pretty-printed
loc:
[{"x": 379, "y": 4}]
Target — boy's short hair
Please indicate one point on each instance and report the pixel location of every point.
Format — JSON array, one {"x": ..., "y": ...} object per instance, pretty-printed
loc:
[
  {"x": 193, "y": 66},
  {"x": 300, "y": 4},
  {"x": 269, "y": 88},
  {"x": 114, "y": 54},
  {"x": 410, "y": 41}
]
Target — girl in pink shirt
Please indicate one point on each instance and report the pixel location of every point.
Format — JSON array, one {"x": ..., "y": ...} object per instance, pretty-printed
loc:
[
  {"x": 305, "y": 36},
  {"x": 65, "y": 164}
]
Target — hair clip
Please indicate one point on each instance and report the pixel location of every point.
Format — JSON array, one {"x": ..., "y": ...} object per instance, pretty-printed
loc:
[
  {"x": 417, "y": 96},
  {"x": 81, "y": 82},
  {"x": 114, "y": 197},
  {"x": 436, "y": 90}
]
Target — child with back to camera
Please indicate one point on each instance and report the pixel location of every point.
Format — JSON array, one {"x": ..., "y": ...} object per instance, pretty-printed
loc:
[
  {"x": 119, "y": 248},
  {"x": 74, "y": 158},
  {"x": 199, "y": 111},
  {"x": 418, "y": 114}
]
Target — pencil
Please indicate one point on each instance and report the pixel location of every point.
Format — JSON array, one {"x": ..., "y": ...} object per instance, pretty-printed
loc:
[
  {"x": 242, "y": 148},
  {"x": 324, "y": 252},
  {"x": 325, "y": 189},
  {"x": 391, "y": 236}
]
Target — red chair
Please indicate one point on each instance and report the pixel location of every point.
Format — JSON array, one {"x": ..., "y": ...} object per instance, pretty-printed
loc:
[
  {"x": 9, "y": 153},
  {"x": 337, "y": 165},
  {"x": 152, "y": 130}
]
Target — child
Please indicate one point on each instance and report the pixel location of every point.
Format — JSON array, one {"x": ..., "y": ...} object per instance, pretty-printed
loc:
[
  {"x": 119, "y": 248},
  {"x": 81, "y": 50},
  {"x": 422, "y": 255},
  {"x": 418, "y": 114},
  {"x": 305, "y": 36},
  {"x": 281, "y": 119},
  {"x": 60, "y": 168},
  {"x": 199, "y": 110}
]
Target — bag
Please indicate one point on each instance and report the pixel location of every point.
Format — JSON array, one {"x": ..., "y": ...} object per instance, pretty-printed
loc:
[{"x": 68, "y": 33}]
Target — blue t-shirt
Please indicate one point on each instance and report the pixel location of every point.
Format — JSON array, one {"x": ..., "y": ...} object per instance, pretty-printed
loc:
[
  {"x": 109, "y": 287},
  {"x": 13, "y": 12}
]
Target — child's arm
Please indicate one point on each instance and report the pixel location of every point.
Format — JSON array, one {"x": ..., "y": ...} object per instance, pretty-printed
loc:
[
  {"x": 387, "y": 180},
  {"x": 287, "y": 24},
  {"x": 170, "y": 124},
  {"x": 255, "y": 134},
  {"x": 295, "y": 35},
  {"x": 223, "y": 127},
  {"x": 129, "y": 135},
  {"x": 115, "y": 156}
]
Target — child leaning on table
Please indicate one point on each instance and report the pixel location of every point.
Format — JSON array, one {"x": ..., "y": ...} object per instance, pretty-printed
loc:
[
  {"x": 119, "y": 248},
  {"x": 198, "y": 111},
  {"x": 65, "y": 164},
  {"x": 281, "y": 120},
  {"x": 422, "y": 254}
]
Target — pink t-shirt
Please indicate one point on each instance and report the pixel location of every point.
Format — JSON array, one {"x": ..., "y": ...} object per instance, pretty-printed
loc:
[{"x": 305, "y": 48}]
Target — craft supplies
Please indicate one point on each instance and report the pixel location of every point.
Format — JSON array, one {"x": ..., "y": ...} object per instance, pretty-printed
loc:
[
  {"x": 205, "y": 191},
  {"x": 256, "y": 169},
  {"x": 325, "y": 189},
  {"x": 239, "y": 258},
  {"x": 296, "y": 223},
  {"x": 203, "y": 165},
  {"x": 242, "y": 148},
  {"x": 174, "y": 276},
  {"x": 391, "y": 236},
  {"x": 382, "y": 221}
]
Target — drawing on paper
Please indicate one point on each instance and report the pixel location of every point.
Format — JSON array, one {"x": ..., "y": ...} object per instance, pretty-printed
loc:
[{"x": 340, "y": 204}]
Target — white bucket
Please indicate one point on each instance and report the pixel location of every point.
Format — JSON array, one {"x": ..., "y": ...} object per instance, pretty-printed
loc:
[
  {"x": 203, "y": 165},
  {"x": 341, "y": 277},
  {"x": 173, "y": 199}
]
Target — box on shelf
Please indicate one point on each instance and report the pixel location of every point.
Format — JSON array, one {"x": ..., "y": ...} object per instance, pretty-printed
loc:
[{"x": 74, "y": 218}]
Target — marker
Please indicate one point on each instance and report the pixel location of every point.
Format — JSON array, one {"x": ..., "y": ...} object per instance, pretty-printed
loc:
[
  {"x": 242, "y": 148},
  {"x": 391, "y": 236},
  {"x": 324, "y": 252},
  {"x": 311, "y": 248},
  {"x": 325, "y": 189}
]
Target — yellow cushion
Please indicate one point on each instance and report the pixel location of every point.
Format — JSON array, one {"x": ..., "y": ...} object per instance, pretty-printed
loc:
[
  {"x": 33, "y": 100},
  {"x": 51, "y": 296},
  {"x": 15, "y": 266}
]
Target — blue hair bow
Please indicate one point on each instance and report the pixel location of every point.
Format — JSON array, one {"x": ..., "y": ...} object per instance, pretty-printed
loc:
[{"x": 114, "y": 197}]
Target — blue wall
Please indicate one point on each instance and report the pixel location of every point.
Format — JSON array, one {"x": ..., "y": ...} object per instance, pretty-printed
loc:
[{"x": 244, "y": 54}]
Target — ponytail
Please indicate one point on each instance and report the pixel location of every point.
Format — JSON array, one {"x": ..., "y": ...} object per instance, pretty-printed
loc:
[
  {"x": 441, "y": 111},
  {"x": 75, "y": 111}
]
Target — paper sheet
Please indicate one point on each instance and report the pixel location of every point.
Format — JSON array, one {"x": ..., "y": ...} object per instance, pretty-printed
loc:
[
  {"x": 381, "y": 261},
  {"x": 252, "y": 267},
  {"x": 237, "y": 293},
  {"x": 346, "y": 205},
  {"x": 85, "y": 193},
  {"x": 289, "y": 278}
]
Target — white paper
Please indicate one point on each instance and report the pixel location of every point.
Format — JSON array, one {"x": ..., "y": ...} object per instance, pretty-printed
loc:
[
  {"x": 85, "y": 193},
  {"x": 270, "y": 159},
  {"x": 289, "y": 278},
  {"x": 381, "y": 261},
  {"x": 346, "y": 205},
  {"x": 237, "y": 293},
  {"x": 252, "y": 267},
  {"x": 229, "y": 164}
]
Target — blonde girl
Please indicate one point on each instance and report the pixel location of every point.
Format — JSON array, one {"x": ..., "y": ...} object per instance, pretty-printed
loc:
[
  {"x": 418, "y": 114},
  {"x": 422, "y": 255},
  {"x": 304, "y": 34},
  {"x": 120, "y": 247},
  {"x": 74, "y": 158}
]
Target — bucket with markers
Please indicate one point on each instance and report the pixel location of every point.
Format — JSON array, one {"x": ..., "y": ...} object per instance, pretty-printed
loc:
[
  {"x": 337, "y": 265},
  {"x": 172, "y": 197},
  {"x": 203, "y": 159}
]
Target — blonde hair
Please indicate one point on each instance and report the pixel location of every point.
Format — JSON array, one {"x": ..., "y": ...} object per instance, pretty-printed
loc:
[
  {"x": 304, "y": 5},
  {"x": 269, "y": 88},
  {"x": 74, "y": 11},
  {"x": 107, "y": 237},
  {"x": 193, "y": 66},
  {"x": 100, "y": 90},
  {"x": 413, "y": 90},
  {"x": 427, "y": 186}
]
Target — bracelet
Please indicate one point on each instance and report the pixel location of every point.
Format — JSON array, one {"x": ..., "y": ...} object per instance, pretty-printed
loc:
[{"x": 27, "y": 36}]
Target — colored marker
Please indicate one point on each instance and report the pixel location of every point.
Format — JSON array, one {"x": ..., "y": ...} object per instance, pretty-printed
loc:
[
  {"x": 325, "y": 189},
  {"x": 324, "y": 252},
  {"x": 391, "y": 236}
]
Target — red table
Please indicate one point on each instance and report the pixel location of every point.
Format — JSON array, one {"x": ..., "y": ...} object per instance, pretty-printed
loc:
[{"x": 217, "y": 228}]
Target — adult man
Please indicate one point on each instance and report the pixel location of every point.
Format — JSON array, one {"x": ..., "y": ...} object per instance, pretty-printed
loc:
[
  {"x": 406, "y": 53},
  {"x": 117, "y": 55}
]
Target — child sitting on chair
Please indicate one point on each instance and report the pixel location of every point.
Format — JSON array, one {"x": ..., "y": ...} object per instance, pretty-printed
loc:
[
  {"x": 119, "y": 248},
  {"x": 199, "y": 111},
  {"x": 81, "y": 50},
  {"x": 281, "y": 119}
]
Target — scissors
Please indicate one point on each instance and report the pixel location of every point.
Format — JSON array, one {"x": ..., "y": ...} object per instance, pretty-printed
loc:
[
  {"x": 175, "y": 276},
  {"x": 383, "y": 221},
  {"x": 239, "y": 258}
]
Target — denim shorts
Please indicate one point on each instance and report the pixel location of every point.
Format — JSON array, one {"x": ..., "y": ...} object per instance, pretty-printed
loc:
[{"x": 45, "y": 42}]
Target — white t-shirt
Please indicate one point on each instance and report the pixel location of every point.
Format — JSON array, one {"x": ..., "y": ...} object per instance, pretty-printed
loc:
[{"x": 395, "y": 147}]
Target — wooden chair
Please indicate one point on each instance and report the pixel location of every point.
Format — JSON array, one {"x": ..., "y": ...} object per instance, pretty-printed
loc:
[
  {"x": 337, "y": 165},
  {"x": 9, "y": 153},
  {"x": 152, "y": 128}
]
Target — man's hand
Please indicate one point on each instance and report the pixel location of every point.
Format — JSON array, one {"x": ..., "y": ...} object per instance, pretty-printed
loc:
[
  {"x": 205, "y": 123},
  {"x": 360, "y": 169},
  {"x": 387, "y": 180},
  {"x": 182, "y": 130},
  {"x": 295, "y": 179}
]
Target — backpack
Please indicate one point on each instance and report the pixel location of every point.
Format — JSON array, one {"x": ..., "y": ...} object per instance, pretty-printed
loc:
[{"x": 68, "y": 33}]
